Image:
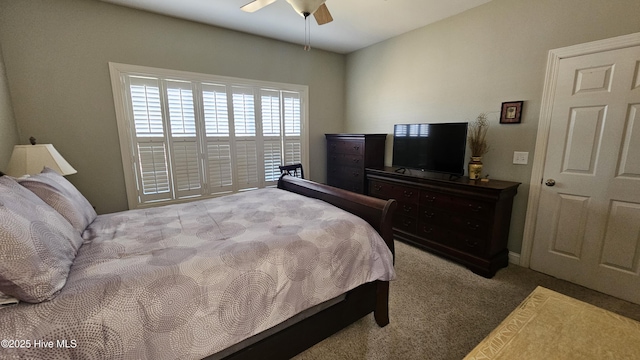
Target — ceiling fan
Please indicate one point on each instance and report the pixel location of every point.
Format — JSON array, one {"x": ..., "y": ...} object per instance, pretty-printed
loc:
[{"x": 303, "y": 7}]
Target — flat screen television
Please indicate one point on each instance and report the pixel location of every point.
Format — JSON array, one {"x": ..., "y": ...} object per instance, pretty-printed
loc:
[{"x": 437, "y": 147}]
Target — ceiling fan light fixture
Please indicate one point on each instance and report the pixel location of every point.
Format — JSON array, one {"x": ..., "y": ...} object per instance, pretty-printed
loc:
[{"x": 305, "y": 6}]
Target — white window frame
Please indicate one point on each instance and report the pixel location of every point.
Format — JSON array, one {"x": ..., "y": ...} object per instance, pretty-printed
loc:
[{"x": 120, "y": 73}]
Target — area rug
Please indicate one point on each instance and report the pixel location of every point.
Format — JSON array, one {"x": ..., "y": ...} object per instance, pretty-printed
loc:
[{"x": 549, "y": 325}]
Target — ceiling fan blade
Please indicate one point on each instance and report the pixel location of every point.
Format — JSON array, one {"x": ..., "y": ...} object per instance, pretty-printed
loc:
[
  {"x": 256, "y": 5},
  {"x": 322, "y": 15}
]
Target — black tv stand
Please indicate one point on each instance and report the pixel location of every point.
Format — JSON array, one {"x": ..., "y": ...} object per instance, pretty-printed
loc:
[{"x": 461, "y": 219}]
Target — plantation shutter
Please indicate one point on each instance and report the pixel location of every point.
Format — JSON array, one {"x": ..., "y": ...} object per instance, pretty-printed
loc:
[
  {"x": 271, "y": 134},
  {"x": 149, "y": 145},
  {"x": 292, "y": 118},
  {"x": 244, "y": 119},
  {"x": 186, "y": 135},
  {"x": 185, "y": 154},
  {"x": 217, "y": 139}
]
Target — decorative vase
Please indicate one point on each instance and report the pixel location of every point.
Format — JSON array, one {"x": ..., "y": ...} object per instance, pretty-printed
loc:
[{"x": 475, "y": 167}]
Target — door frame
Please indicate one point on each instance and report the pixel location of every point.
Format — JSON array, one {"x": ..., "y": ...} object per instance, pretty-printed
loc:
[{"x": 544, "y": 125}]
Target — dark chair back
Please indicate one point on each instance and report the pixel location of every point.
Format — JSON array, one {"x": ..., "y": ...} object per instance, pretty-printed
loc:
[{"x": 293, "y": 170}]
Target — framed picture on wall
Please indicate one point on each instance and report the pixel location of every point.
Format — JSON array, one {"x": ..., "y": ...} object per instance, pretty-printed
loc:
[{"x": 511, "y": 112}]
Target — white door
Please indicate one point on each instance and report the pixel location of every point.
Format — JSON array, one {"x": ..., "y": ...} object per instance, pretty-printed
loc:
[{"x": 587, "y": 227}]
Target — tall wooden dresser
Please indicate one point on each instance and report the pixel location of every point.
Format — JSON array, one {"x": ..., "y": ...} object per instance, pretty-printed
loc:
[
  {"x": 464, "y": 220},
  {"x": 349, "y": 154}
]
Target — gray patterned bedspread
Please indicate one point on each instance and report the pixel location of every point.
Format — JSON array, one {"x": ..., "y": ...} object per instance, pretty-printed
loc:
[{"x": 189, "y": 280}]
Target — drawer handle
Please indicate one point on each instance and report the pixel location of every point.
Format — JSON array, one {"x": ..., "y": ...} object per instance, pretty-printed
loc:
[
  {"x": 406, "y": 222},
  {"x": 407, "y": 208},
  {"x": 356, "y": 147},
  {"x": 427, "y": 230},
  {"x": 471, "y": 243},
  {"x": 408, "y": 193},
  {"x": 355, "y": 174},
  {"x": 429, "y": 215},
  {"x": 473, "y": 226},
  {"x": 430, "y": 198},
  {"x": 475, "y": 208},
  {"x": 356, "y": 160},
  {"x": 377, "y": 187}
]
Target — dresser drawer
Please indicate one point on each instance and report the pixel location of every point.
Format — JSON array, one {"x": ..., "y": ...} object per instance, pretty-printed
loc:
[
  {"x": 434, "y": 199},
  {"x": 469, "y": 244},
  {"x": 407, "y": 209},
  {"x": 402, "y": 194},
  {"x": 433, "y": 215},
  {"x": 404, "y": 223},
  {"x": 432, "y": 232},
  {"x": 471, "y": 207},
  {"x": 380, "y": 189},
  {"x": 356, "y": 161},
  {"x": 345, "y": 172},
  {"x": 470, "y": 226},
  {"x": 353, "y": 147},
  {"x": 354, "y": 184}
]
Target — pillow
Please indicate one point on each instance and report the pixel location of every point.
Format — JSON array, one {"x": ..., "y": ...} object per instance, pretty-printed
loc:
[
  {"x": 36, "y": 245},
  {"x": 61, "y": 195}
]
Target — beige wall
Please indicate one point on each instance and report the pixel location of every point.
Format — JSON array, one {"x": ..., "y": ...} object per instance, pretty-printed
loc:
[
  {"x": 8, "y": 129},
  {"x": 454, "y": 69},
  {"x": 57, "y": 52}
]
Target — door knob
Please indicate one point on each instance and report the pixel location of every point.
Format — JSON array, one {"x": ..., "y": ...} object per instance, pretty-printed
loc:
[{"x": 550, "y": 182}]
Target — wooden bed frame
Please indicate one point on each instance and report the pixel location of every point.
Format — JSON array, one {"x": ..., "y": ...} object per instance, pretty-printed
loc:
[{"x": 367, "y": 298}]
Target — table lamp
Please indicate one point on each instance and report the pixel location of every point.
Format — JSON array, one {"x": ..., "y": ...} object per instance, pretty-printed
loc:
[{"x": 31, "y": 159}]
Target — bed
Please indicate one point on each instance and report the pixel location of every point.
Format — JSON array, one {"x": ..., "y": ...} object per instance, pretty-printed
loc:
[{"x": 261, "y": 274}]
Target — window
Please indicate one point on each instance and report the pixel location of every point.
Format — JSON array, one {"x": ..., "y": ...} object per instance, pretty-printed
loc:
[{"x": 185, "y": 135}]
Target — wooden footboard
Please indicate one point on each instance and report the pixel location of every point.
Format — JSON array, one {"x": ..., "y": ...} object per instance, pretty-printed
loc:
[
  {"x": 377, "y": 212},
  {"x": 367, "y": 298}
]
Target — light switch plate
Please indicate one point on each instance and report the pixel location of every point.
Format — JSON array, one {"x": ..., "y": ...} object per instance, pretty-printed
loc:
[{"x": 520, "y": 157}]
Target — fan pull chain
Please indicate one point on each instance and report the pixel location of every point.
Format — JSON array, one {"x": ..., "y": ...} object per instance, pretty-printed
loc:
[{"x": 307, "y": 32}]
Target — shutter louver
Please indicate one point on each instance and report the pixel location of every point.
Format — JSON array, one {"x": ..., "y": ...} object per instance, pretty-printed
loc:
[
  {"x": 270, "y": 101},
  {"x": 186, "y": 167},
  {"x": 216, "y": 114},
  {"x": 219, "y": 164},
  {"x": 244, "y": 116},
  {"x": 293, "y": 152},
  {"x": 246, "y": 164},
  {"x": 292, "y": 114},
  {"x": 272, "y": 160},
  {"x": 147, "y": 114},
  {"x": 181, "y": 113},
  {"x": 154, "y": 171}
]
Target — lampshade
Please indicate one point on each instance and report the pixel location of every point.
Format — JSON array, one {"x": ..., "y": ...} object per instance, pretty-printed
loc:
[
  {"x": 305, "y": 6},
  {"x": 31, "y": 159}
]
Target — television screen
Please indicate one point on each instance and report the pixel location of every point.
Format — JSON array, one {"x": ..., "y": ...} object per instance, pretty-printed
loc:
[{"x": 437, "y": 147}]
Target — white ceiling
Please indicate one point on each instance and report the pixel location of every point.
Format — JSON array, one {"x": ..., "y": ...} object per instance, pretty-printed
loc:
[{"x": 356, "y": 23}]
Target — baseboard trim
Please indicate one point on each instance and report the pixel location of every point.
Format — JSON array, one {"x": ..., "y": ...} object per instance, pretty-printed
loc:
[{"x": 514, "y": 258}]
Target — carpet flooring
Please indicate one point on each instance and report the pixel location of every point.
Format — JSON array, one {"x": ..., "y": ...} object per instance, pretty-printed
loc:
[{"x": 440, "y": 310}]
